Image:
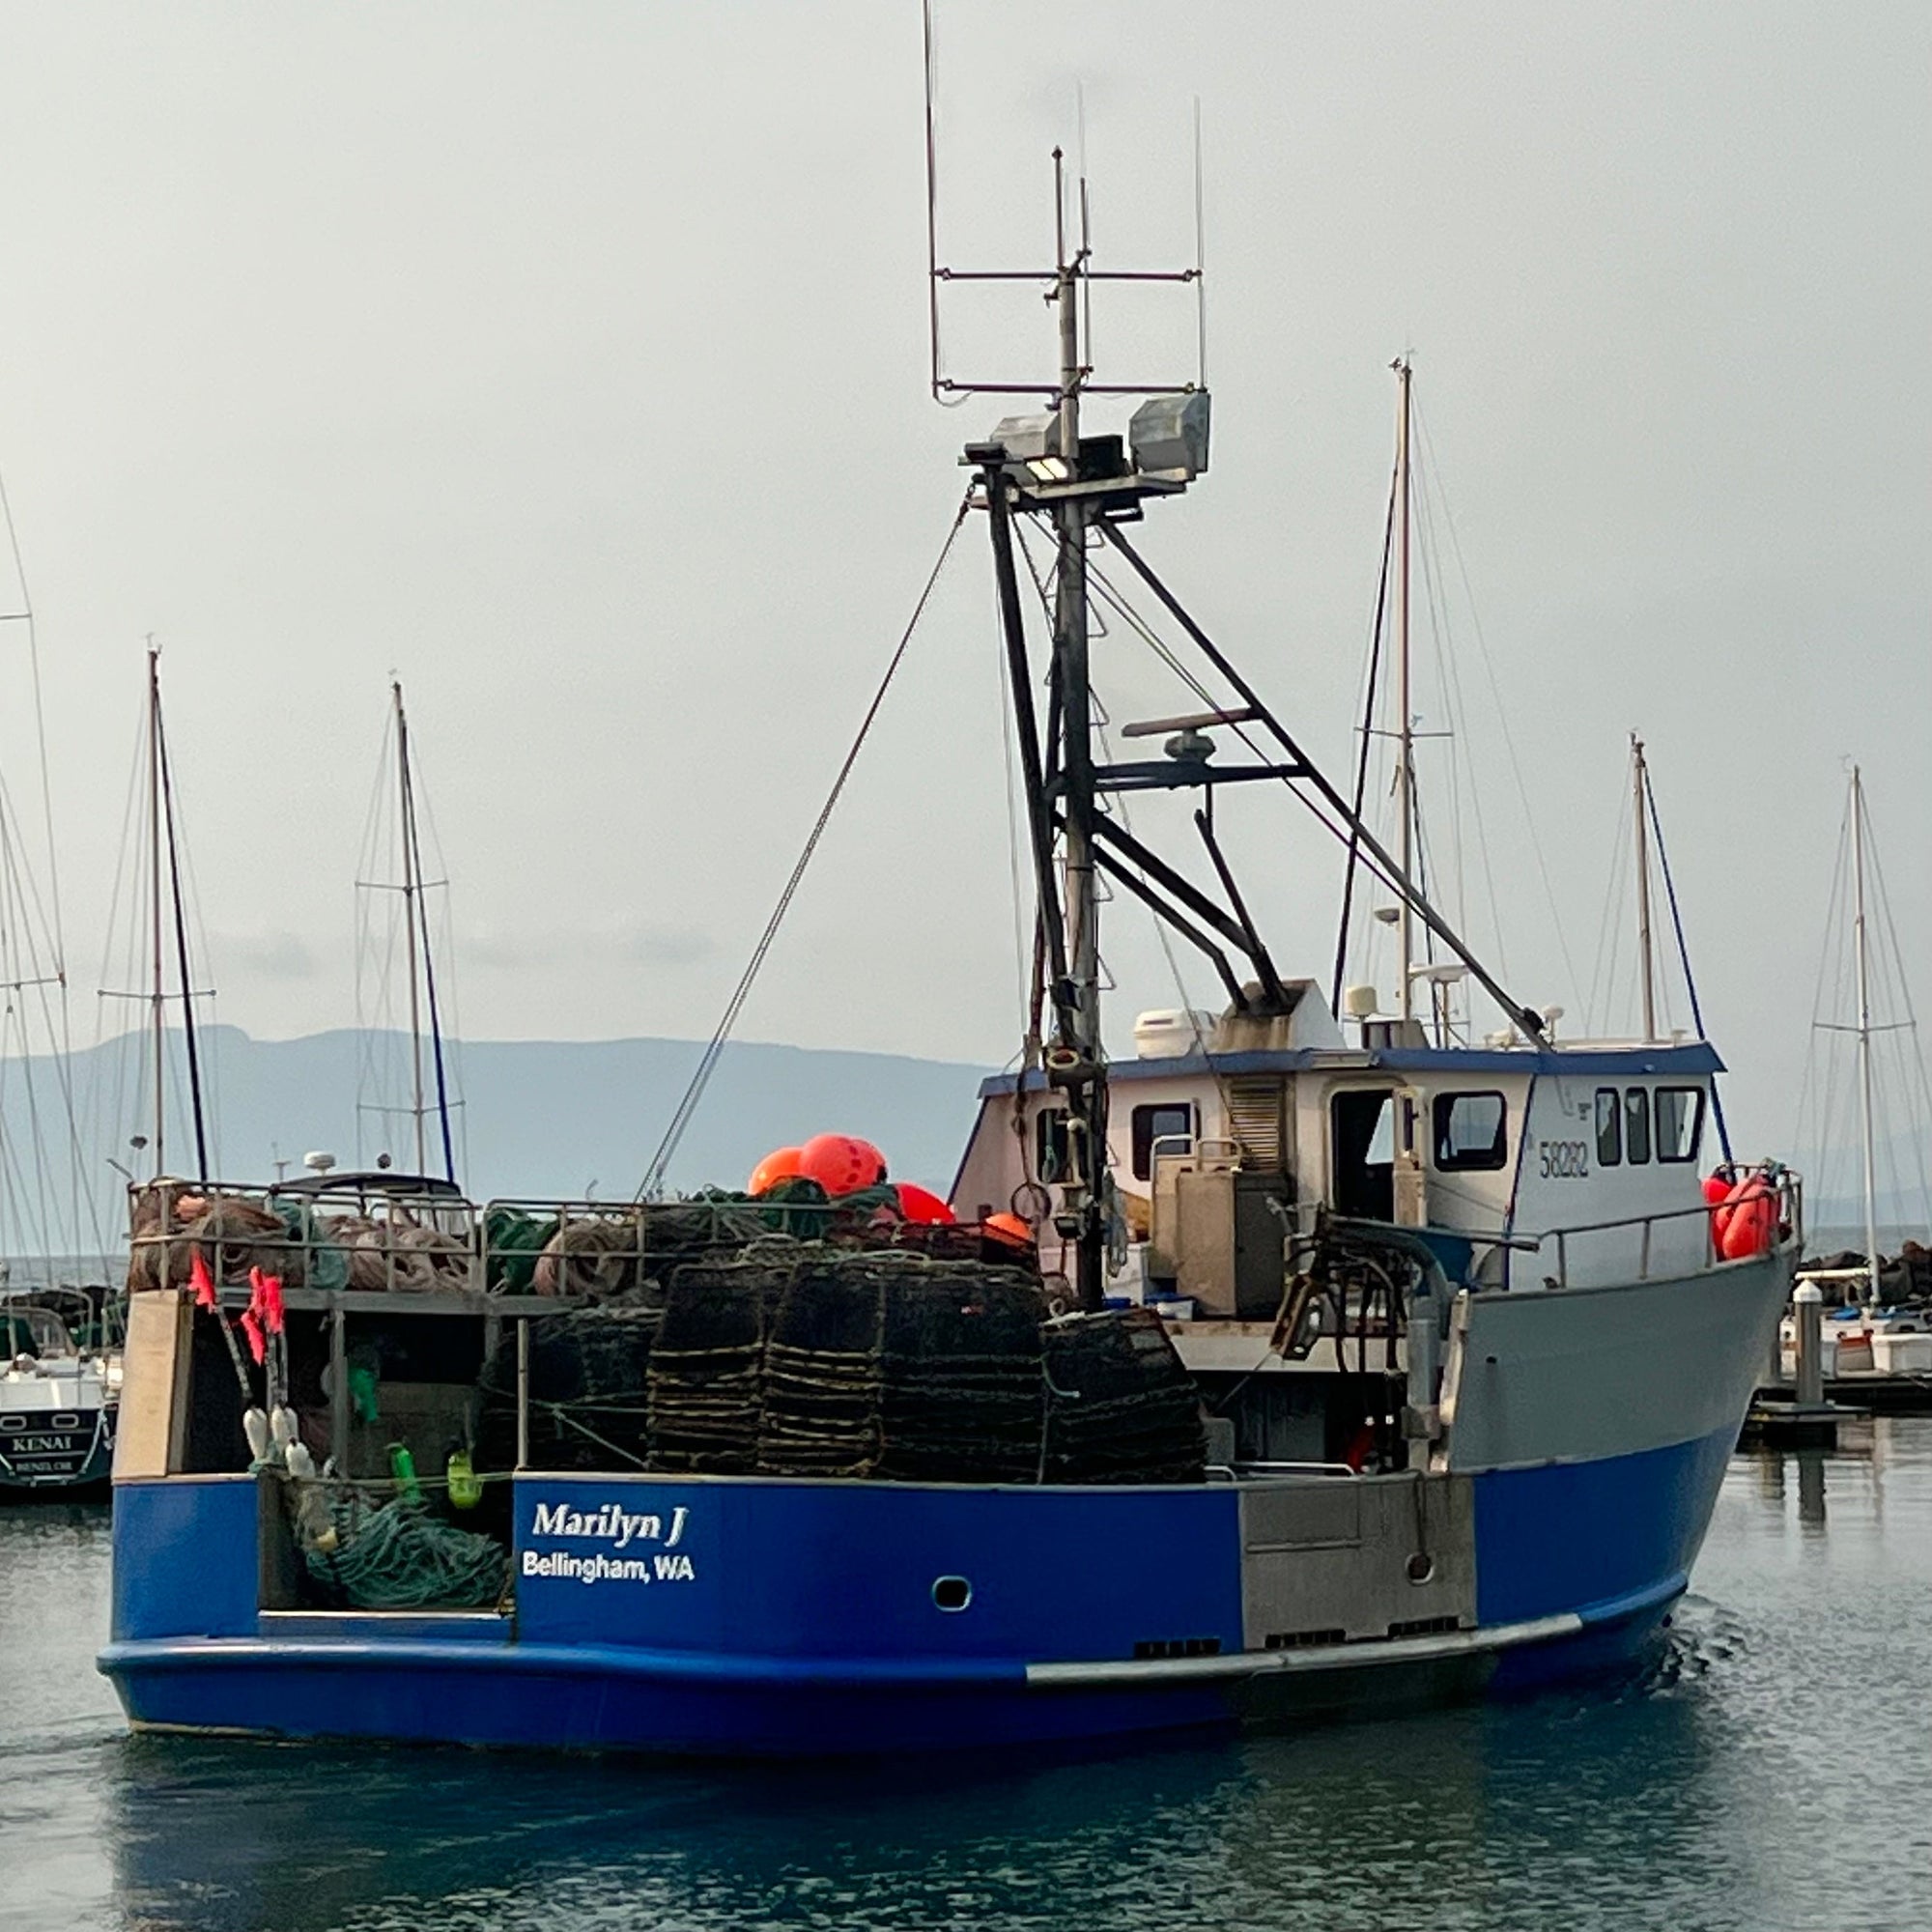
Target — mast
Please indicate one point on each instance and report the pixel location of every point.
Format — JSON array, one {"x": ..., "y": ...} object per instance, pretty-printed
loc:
[
  {"x": 1405, "y": 734},
  {"x": 1864, "y": 1030},
  {"x": 1646, "y": 958},
  {"x": 159, "y": 996},
  {"x": 1088, "y": 1094},
  {"x": 409, "y": 884}
]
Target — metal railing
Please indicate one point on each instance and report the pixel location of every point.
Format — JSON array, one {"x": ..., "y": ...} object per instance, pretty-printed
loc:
[
  {"x": 1788, "y": 1192},
  {"x": 370, "y": 1235}
]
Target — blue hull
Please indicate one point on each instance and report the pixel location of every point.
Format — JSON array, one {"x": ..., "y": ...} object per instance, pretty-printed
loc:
[{"x": 741, "y": 1617}]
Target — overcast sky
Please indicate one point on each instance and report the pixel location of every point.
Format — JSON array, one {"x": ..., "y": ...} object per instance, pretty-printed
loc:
[{"x": 570, "y": 362}]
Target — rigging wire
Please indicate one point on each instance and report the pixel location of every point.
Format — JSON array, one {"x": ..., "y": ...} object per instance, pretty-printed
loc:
[
  {"x": 1335, "y": 830},
  {"x": 116, "y": 1109},
  {"x": 1429, "y": 470},
  {"x": 1449, "y": 674},
  {"x": 1683, "y": 957},
  {"x": 1908, "y": 1058},
  {"x": 59, "y": 1030},
  {"x": 707, "y": 1062},
  {"x": 423, "y": 800},
  {"x": 1819, "y": 1087},
  {"x": 189, "y": 892},
  {"x": 1610, "y": 923},
  {"x": 373, "y": 1008},
  {"x": 181, "y": 948},
  {"x": 1368, "y": 739}
]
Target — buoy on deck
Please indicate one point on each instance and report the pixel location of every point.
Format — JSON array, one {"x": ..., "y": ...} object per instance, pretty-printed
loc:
[
  {"x": 1008, "y": 1229},
  {"x": 1746, "y": 1224},
  {"x": 780, "y": 1164},
  {"x": 841, "y": 1163},
  {"x": 921, "y": 1205}
]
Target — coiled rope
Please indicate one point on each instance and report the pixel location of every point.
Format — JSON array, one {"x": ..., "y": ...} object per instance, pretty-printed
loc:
[{"x": 398, "y": 1556}]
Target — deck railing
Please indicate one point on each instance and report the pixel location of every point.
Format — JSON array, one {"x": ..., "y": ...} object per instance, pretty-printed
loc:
[
  {"x": 1788, "y": 1193},
  {"x": 379, "y": 1236}
]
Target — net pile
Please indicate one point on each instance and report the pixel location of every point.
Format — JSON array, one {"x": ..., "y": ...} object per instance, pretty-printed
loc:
[
  {"x": 1123, "y": 1408},
  {"x": 962, "y": 1397},
  {"x": 400, "y": 1556}
]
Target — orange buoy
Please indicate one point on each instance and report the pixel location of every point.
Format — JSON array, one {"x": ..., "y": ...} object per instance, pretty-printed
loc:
[
  {"x": 780, "y": 1164},
  {"x": 921, "y": 1205},
  {"x": 841, "y": 1163},
  {"x": 1008, "y": 1229},
  {"x": 1718, "y": 1185}
]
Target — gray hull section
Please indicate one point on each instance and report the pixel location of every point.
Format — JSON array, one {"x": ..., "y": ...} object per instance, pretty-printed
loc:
[{"x": 1584, "y": 1373}]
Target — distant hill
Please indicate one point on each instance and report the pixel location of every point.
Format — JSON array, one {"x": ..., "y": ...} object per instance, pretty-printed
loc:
[{"x": 549, "y": 1118}]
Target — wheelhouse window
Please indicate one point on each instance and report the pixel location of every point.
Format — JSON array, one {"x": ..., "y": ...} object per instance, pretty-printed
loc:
[
  {"x": 1680, "y": 1123},
  {"x": 1471, "y": 1131},
  {"x": 1050, "y": 1157},
  {"x": 1169, "y": 1120},
  {"x": 1637, "y": 1125},
  {"x": 1609, "y": 1127}
]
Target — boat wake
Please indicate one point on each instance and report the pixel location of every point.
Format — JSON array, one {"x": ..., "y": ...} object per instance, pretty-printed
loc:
[{"x": 1701, "y": 1639}]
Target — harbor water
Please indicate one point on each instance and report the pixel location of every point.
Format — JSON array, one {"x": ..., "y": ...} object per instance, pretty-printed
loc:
[{"x": 1772, "y": 1768}]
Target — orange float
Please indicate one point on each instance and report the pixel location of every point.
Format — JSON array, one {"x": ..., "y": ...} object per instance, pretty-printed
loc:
[
  {"x": 780, "y": 1164},
  {"x": 841, "y": 1163},
  {"x": 1010, "y": 1229},
  {"x": 921, "y": 1205},
  {"x": 1749, "y": 1214}
]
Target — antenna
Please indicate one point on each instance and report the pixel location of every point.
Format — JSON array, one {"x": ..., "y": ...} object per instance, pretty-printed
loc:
[
  {"x": 1200, "y": 261},
  {"x": 949, "y": 389}
]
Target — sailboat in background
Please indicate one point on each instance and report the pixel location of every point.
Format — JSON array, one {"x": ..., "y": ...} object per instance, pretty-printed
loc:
[
  {"x": 394, "y": 940},
  {"x": 162, "y": 1078},
  {"x": 1884, "y": 1324},
  {"x": 59, "y": 1326}
]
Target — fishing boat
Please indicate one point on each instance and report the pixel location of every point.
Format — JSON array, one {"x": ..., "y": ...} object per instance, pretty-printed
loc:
[{"x": 1350, "y": 1359}]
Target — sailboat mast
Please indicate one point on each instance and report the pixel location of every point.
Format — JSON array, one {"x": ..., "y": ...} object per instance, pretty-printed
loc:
[
  {"x": 1089, "y": 1091},
  {"x": 410, "y": 886},
  {"x": 1864, "y": 1029},
  {"x": 1646, "y": 956},
  {"x": 158, "y": 1015},
  {"x": 1406, "y": 735}
]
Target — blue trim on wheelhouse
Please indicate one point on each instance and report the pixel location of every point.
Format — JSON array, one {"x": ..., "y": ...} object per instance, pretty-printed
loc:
[{"x": 1694, "y": 1057}]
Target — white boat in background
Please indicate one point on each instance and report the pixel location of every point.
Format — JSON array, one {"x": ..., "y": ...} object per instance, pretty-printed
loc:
[{"x": 57, "y": 1399}]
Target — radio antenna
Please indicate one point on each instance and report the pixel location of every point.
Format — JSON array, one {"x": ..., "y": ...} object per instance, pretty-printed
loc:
[
  {"x": 932, "y": 201},
  {"x": 1072, "y": 266},
  {"x": 1200, "y": 261}
]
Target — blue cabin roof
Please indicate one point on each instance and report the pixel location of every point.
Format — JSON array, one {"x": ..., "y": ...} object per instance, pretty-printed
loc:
[{"x": 1691, "y": 1060}]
